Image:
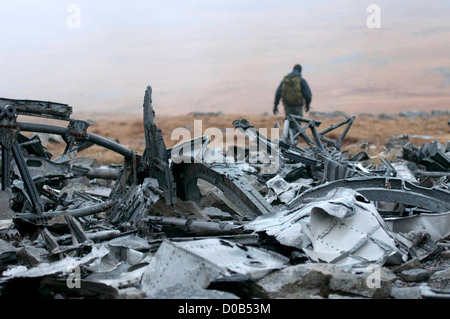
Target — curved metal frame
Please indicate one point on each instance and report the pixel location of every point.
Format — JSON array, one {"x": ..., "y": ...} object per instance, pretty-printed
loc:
[{"x": 386, "y": 190}]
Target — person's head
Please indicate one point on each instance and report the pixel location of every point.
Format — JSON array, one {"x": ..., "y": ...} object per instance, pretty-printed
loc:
[{"x": 298, "y": 67}]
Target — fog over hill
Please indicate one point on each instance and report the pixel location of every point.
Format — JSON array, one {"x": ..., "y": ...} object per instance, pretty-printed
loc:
[{"x": 226, "y": 56}]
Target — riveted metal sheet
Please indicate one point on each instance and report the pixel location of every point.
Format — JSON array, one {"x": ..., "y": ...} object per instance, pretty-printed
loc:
[{"x": 194, "y": 264}]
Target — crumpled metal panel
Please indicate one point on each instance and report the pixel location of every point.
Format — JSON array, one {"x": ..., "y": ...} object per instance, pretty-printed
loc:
[
  {"x": 136, "y": 202},
  {"x": 343, "y": 228},
  {"x": 284, "y": 191},
  {"x": 63, "y": 266},
  {"x": 194, "y": 264},
  {"x": 436, "y": 225},
  {"x": 346, "y": 230}
]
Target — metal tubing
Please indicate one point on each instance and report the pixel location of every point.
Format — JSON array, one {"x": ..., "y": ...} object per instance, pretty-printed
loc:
[
  {"x": 79, "y": 212},
  {"x": 27, "y": 179},
  {"x": 347, "y": 128},
  {"x": 317, "y": 138},
  {"x": 304, "y": 119},
  {"x": 196, "y": 226},
  {"x": 6, "y": 160},
  {"x": 59, "y": 130},
  {"x": 335, "y": 126},
  {"x": 432, "y": 174},
  {"x": 104, "y": 173}
]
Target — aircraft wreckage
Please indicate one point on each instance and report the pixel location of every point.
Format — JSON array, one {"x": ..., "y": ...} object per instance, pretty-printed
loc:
[{"x": 187, "y": 222}]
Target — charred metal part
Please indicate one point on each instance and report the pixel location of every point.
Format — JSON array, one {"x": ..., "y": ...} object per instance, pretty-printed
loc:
[
  {"x": 198, "y": 227},
  {"x": 50, "y": 242},
  {"x": 76, "y": 135},
  {"x": 39, "y": 108},
  {"x": 33, "y": 146},
  {"x": 27, "y": 179},
  {"x": 5, "y": 204},
  {"x": 78, "y": 234},
  {"x": 334, "y": 170},
  {"x": 256, "y": 137},
  {"x": 323, "y": 161},
  {"x": 147, "y": 177},
  {"x": 91, "y": 237},
  {"x": 51, "y": 193},
  {"x": 390, "y": 170},
  {"x": 296, "y": 130},
  {"x": 297, "y": 157},
  {"x": 79, "y": 212},
  {"x": 31, "y": 142},
  {"x": 59, "y": 130},
  {"x": 105, "y": 234},
  {"x": 337, "y": 143},
  {"x": 8, "y": 140},
  {"x": 428, "y": 155},
  {"x": 42, "y": 169},
  {"x": 293, "y": 129},
  {"x": 8, "y": 133},
  {"x": 101, "y": 172},
  {"x": 385, "y": 190},
  {"x": 294, "y": 123},
  {"x": 85, "y": 211},
  {"x": 246, "y": 238},
  {"x": 136, "y": 202},
  {"x": 6, "y": 172},
  {"x": 185, "y": 148},
  {"x": 432, "y": 174},
  {"x": 154, "y": 162}
]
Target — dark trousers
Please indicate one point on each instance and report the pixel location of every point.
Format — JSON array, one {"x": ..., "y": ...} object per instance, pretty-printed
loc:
[{"x": 294, "y": 110}]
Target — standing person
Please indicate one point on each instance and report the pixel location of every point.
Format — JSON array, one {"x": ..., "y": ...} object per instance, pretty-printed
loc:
[{"x": 294, "y": 92}]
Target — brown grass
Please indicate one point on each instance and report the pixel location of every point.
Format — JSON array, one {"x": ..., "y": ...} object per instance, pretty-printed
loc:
[{"x": 365, "y": 131}]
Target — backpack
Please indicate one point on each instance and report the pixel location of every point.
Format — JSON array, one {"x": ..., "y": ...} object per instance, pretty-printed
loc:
[{"x": 291, "y": 92}]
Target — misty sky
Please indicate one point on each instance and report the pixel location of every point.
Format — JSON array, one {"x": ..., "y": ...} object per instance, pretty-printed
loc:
[{"x": 226, "y": 56}]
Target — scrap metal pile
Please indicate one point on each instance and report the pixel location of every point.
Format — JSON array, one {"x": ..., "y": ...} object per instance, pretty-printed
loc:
[{"x": 193, "y": 221}]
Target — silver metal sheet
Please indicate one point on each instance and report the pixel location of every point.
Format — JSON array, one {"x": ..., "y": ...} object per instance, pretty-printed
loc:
[
  {"x": 351, "y": 238},
  {"x": 194, "y": 264},
  {"x": 62, "y": 266},
  {"x": 342, "y": 228},
  {"x": 437, "y": 225}
]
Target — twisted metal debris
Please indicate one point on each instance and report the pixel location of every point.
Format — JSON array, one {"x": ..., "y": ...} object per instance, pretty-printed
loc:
[{"x": 186, "y": 219}]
